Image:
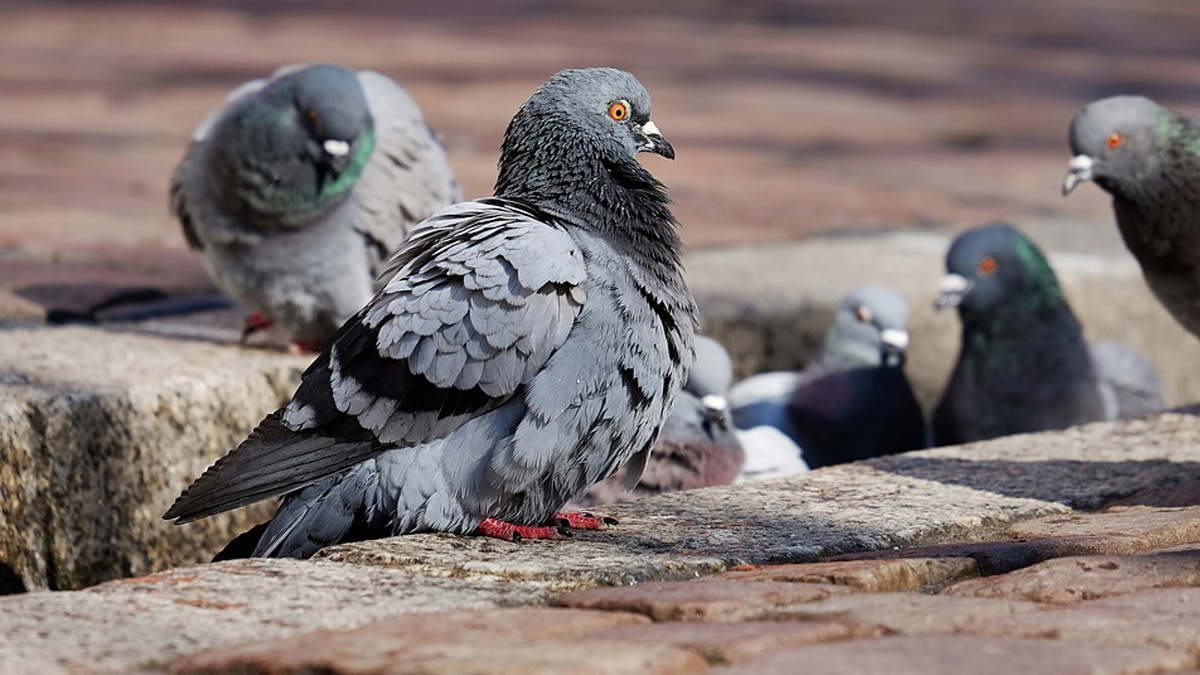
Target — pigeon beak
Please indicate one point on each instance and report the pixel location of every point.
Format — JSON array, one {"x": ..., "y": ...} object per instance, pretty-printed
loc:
[
  {"x": 895, "y": 340},
  {"x": 1079, "y": 169},
  {"x": 715, "y": 407},
  {"x": 653, "y": 141},
  {"x": 951, "y": 291},
  {"x": 337, "y": 154}
]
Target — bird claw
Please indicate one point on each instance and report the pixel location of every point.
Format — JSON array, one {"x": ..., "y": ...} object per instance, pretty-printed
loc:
[
  {"x": 491, "y": 527},
  {"x": 255, "y": 322},
  {"x": 582, "y": 520}
]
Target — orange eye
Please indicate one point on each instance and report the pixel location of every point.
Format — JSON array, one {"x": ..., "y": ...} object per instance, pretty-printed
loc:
[
  {"x": 1115, "y": 141},
  {"x": 618, "y": 110},
  {"x": 987, "y": 265},
  {"x": 863, "y": 313},
  {"x": 311, "y": 117}
]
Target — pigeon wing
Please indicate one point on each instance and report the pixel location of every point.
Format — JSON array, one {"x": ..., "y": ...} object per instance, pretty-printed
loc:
[{"x": 479, "y": 298}]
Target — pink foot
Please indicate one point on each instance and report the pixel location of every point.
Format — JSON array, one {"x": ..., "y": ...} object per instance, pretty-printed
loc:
[
  {"x": 490, "y": 527},
  {"x": 581, "y": 520},
  {"x": 255, "y": 322}
]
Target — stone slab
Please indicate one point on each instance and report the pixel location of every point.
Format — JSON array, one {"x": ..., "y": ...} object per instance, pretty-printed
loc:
[
  {"x": 100, "y": 431},
  {"x": 504, "y": 641},
  {"x": 875, "y": 614},
  {"x": 147, "y": 622},
  {"x": 873, "y": 576},
  {"x": 962, "y": 654},
  {"x": 1076, "y": 578},
  {"x": 721, "y": 601}
]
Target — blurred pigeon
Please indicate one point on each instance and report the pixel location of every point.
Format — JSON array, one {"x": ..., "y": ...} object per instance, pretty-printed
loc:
[
  {"x": 1129, "y": 384},
  {"x": 697, "y": 447},
  {"x": 1148, "y": 159},
  {"x": 853, "y": 401},
  {"x": 522, "y": 348},
  {"x": 1023, "y": 365},
  {"x": 300, "y": 187}
]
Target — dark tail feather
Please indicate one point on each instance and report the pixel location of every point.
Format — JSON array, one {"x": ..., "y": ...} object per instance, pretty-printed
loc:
[
  {"x": 242, "y": 546},
  {"x": 274, "y": 460}
]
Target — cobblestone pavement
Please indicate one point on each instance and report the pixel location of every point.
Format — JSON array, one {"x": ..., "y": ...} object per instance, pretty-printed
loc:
[{"x": 1117, "y": 591}]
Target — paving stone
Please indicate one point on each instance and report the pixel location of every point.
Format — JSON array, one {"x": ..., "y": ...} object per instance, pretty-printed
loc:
[
  {"x": 146, "y": 622},
  {"x": 963, "y": 654},
  {"x": 1161, "y": 618},
  {"x": 1076, "y": 578},
  {"x": 99, "y": 432},
  {"x": 996, "y": 556},
  {"x": 1125, "y": 529},
  {"x": 873, "y": 614},
  {"x": 687, "y": 601},
  {"x": 728, "y": 642},
  {"x": 902, "y": 574},
  {"x": 1177, "y": 494},
  {"x": 502, "y": 641}
]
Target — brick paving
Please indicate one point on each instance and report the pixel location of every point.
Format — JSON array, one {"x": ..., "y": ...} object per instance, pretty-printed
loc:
[{"x": 1128, "y": 613}]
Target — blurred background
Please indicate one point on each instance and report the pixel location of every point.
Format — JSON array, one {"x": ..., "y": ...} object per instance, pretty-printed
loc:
[{"x": 792, "y": 120}]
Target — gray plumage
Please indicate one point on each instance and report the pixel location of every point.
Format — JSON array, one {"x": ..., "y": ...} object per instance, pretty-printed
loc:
[
  {"x": 521, "y": 349},
  {"x": 1148, "y": 158},
  {"x": 853, "y": 401},
  {"x": 298, "y": 189},
  {"x": 1129, "y": 384},
  {"x": 1023, "y": 365},
  {"x": 697, "y": 447}
]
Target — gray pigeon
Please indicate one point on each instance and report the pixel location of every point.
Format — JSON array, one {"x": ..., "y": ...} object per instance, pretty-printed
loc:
[
  {"x": 1024, "y": 365},
  {"x": 697, "y": 447},
  {"x": 522, "y": 348},
  {"x": 1148, "y": 159},
  {"x": 853, "y": 401},
  {"x": 300, "y": 187}
]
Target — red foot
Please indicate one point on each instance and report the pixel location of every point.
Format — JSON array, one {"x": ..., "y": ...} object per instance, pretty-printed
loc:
[
  {"x": 256, "y": 322},
  {"x": 303, "y": 347},
  {"x": 490, "y": 527},
  {"x": 582, "y": 521}
]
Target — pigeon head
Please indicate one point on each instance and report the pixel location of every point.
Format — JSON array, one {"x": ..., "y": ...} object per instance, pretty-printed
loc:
[
  {"x": 710, "y": 378},
  {"x": 868, "y": 329},
  {"x": 1116, "y": 143},
  {"x": 292, "y": 150},
  {"x": 993, "y": 268},
  {"x": 581, "y": 125}
]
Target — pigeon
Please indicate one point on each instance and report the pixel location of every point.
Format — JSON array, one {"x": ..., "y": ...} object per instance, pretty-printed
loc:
[
  {"x": 301, "y": 186},
  {"x": 697, "y": 447},
  {"x": 1148, "y": 158},
  {"x": 1024, "y": 365},
  {"x": 521, "y": 348},
  {"x": 853, "y": 401}
]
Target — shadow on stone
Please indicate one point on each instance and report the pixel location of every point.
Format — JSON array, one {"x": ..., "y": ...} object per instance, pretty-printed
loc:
[{"x": 10, "y": 582}]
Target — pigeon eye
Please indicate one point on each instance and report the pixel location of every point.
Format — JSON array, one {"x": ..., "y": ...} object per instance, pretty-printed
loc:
[
  {"x": 987, "y": 265},
  {"x": 863, "y": 314},
  {"x": 1115, "y": 140},
  {"x": 618, "y": 110},
  {"x": 311, "y": 116}
]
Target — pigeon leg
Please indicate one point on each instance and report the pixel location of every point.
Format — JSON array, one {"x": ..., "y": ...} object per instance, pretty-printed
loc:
[
  {"x": 254, "y": 323},
  {"x": 491, "y": 527},
  {"x": 581, "y": 520}
]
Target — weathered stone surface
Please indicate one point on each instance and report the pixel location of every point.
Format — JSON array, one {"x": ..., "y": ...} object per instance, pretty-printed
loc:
[
  {"x": 505, "y": 641},
  {"x": 873, "y": 614},
  {"x": 725, "y": 642},
  {"x": 1162, "y": 618},
  {"x": 1127, "y": 529},
  {"x": 100, "y": 430},
  {"x": 712, "y": 601},
  {"x": 963, "y": 654},
  {"x": 900, "y": 574},
  {"x": 149, "y": 621},
  {"x": 1065, "y": 580}
]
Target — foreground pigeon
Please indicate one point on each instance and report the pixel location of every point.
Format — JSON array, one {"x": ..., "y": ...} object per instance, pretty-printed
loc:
[
  {"x": 853, "y": 401},
  {"x": 1148, "y": 159},
  {"x": 697, "y": 447},
  {"x": 301, "y": 186},
  {"x": 1023, "y": 365},
  {"x": 522, "y": 348}
]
